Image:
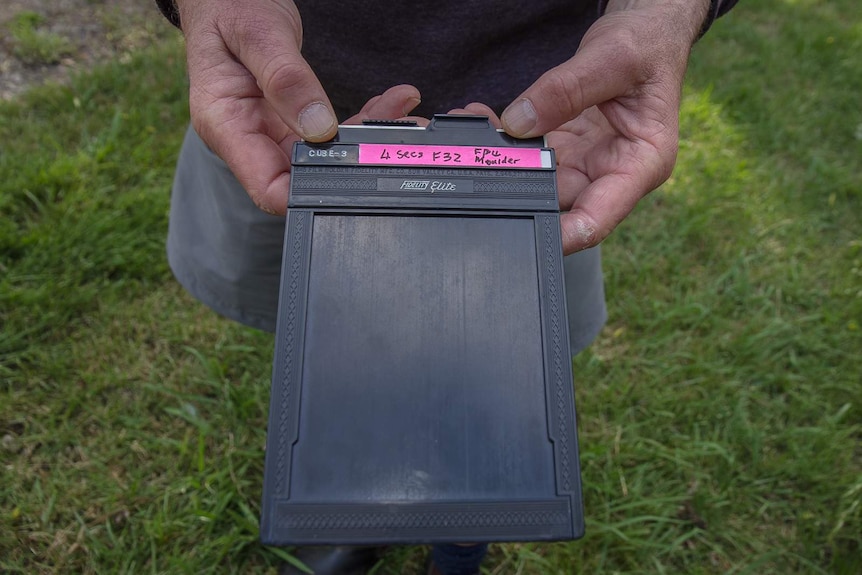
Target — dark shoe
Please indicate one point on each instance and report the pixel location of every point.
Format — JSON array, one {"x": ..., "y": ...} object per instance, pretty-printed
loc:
[
  {"x": 340, "y": 560},
  {"x": 455, "y": 558}
]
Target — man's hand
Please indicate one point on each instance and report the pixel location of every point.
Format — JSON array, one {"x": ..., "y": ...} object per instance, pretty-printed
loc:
[
  {"x": 612, "y": 112},
  {"x": 252, "y": 94}
]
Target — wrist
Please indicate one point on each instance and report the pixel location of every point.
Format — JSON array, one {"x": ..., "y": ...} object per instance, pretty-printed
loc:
[{"x": 690, "y": 16}]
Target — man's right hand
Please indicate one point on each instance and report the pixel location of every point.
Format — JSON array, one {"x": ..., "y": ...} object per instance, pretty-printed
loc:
[{"x": 253, "y": 95}]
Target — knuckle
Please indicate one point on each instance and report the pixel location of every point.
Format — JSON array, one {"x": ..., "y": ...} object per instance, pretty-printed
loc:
[
  {"x": 668, "y": 164},
  {"x": 284, "y": 74},
  {"x": 282, "y": 67},
  {"x": 627, "y": 46},
  {"x": 243, "y": 28},
  {"x": 564, "y": 91},
  {"x": 629, "y": 56},
  {"x": 271, "y": 200},
  {"x": 663, "y": 162},
  {"x": 258, "y": 195}
]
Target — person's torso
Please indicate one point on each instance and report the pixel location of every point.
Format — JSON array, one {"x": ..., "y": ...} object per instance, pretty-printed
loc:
[{"x": 455, "y": 52}]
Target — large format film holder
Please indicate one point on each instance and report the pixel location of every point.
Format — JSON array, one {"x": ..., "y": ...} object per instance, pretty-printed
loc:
[{"x": 422, "y": 383}]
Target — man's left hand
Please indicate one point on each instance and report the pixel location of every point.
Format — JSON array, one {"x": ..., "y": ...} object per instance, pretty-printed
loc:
[{"x": 612, "y": 112}]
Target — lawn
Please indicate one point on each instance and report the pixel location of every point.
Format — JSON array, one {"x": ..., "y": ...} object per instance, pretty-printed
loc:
[{"x": 720, "y": 410}]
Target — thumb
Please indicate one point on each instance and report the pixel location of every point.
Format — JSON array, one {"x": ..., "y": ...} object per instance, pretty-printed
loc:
[
  {"x": 604, "y": 67},
  {"x": 267, "y": 41}
]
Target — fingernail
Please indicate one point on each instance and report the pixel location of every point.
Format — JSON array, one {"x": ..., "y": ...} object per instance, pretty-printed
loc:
[
  {"x": 410, "y": 105},
  {"x": 520, "y": 117},
  {"x": 316, "y": 120}
]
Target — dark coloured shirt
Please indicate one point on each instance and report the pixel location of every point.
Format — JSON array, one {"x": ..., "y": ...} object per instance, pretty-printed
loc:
[{"x": 455, "y": 52}]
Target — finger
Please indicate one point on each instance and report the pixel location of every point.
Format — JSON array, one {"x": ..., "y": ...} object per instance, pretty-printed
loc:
[
  {"x": 599, "y": 208},
  {"x": 571, "y": 183},
  {"x": 364, "y": 109},
  {"x": 601, "y": 70},
  {"x": 478, "y": 109},
  {"x": 230, "y": 114},
  {"x": 263, "y": 164},
  {"x": 394, "y": 103},
  {"x": 481, "y": 109},
  {"x": 257, "y": 152},
  {"x": 268, "y": 42}
]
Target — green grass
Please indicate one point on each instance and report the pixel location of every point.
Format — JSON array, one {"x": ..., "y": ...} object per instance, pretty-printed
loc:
[
  {"x": 719, "y": 411},
  {"x": 34, "y": 45}
]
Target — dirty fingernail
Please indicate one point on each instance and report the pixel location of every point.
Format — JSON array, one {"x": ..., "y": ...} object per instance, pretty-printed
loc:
[
  {"x": 520, "y": 117},
  {"x": 316, "y": 120}
]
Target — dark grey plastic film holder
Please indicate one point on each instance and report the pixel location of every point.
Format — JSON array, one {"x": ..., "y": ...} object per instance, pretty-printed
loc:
[{"x": 422, "y": 381}]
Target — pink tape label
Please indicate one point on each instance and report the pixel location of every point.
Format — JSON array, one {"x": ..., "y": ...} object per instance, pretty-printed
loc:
[{"x": 454, "y": 156}]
